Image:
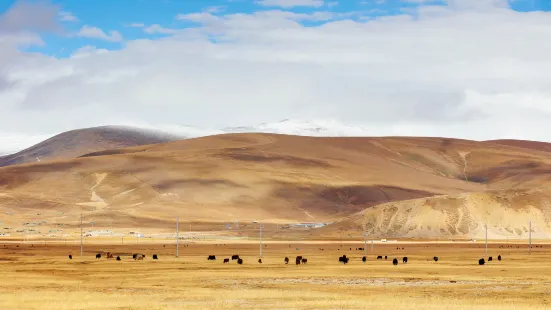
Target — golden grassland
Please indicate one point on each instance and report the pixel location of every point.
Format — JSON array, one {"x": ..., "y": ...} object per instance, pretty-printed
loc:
[{"x": 41, "y": 276}]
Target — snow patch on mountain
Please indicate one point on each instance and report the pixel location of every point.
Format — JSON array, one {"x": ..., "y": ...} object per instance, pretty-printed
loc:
[
  {"x": 184, "y": 131},
  {"x": 11, "y": 143},
  {"x": 317, "y": 128},
  {"x": 153, "y": 132}
]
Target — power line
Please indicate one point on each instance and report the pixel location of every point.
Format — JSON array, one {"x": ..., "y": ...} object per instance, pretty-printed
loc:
[
  {"x": 530, "y": 236},
  {"x": 261, "y": 240},
  {"x": 81, "y": 235},
  {"x": 365, "y": 240},
  {"x": 177, "y": 235},
  {"x": 486, "y": 226}
]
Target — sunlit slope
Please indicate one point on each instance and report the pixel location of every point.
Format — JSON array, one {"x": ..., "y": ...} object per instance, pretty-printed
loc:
[
  {"x": 272, "y": 178},
  {"x": 506, "y": 212}
]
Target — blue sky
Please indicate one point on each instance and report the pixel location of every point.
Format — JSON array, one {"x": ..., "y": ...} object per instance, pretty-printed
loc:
[{"x": 117, "y": 15}]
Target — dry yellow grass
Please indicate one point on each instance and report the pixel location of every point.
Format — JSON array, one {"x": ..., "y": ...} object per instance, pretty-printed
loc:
[{"x": 42, "y": 277}]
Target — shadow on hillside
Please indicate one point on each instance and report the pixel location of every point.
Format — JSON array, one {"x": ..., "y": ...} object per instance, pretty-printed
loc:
[
  {"x": 271, "y": 158},
  {"x": 164, "y": 185},
  {"x": 509, "y": 169},
  {"x": 345, "y": 200},
  {"x": 15, "y": 176}
]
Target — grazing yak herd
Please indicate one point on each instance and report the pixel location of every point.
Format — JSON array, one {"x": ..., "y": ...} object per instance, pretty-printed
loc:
[
  {"x": 109, "y": 255},
  {"x": 298, "y": 260},
  {"x": 343, "y": 259}
]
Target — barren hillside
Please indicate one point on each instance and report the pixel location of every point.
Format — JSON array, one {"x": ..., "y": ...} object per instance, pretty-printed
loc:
[
  {"x": 507, "y": 214},
  {"x": 265, "y": 177},
  {"x": 75, "y": 143}
]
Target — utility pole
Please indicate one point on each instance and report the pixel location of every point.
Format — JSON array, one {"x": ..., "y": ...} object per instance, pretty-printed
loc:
[
  {"x": 261, "y": 240},
  {"x": 530, "y": 236},
  {"x": 365, "y": 241},
  {"x": 486, "y": 226},
  {"x": 81, "y": 234},
  {"x": 177, "y": 235},
  {"x": 371, "y": 245}
]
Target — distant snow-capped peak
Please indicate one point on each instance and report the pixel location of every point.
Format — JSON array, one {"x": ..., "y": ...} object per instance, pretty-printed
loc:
[
  {"x": 181, "y": 131},
  {"x": 11, "y": 143},
  {"x": 154, "y": 132},
  {"x": 320, "y": 128}
]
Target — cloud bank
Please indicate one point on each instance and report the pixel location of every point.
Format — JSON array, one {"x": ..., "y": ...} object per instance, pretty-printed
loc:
[{"x": 470, "y": 69}]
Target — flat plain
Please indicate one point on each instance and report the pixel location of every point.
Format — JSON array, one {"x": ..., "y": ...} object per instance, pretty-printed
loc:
[
  {"x": 220, "y": 188},
  {"x": 41, "y": 276}
]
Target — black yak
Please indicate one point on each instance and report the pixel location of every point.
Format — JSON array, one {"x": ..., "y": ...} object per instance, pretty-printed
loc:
[{"x": 343, "y": 259}]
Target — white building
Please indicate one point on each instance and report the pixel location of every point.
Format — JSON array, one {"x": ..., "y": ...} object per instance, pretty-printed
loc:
[{"x": 310, "y": 225}]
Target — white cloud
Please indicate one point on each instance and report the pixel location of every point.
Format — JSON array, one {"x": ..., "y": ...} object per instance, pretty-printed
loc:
[
  {"x": 86, "y": 51},
  {"x": 67, "y": 17},
  {"x": 136, "y": 25},
  {"x": 214, "y": 9},
  {"x": 420, "y": 1},
  {"x": 457, "y": 71},
  {"x": 96, "y": 33},
  {"x": 29, "y": 16},
  {"x": 197, "y": 17},
  {"x": 11, "y": 142},
  {"x": 156, "y": 28},
  {"x": 291, "y": 3},
  {"x": 477, "y": 4}
]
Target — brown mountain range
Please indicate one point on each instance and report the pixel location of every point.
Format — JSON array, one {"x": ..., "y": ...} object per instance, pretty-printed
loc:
[{"x": 397, "y": 186}]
